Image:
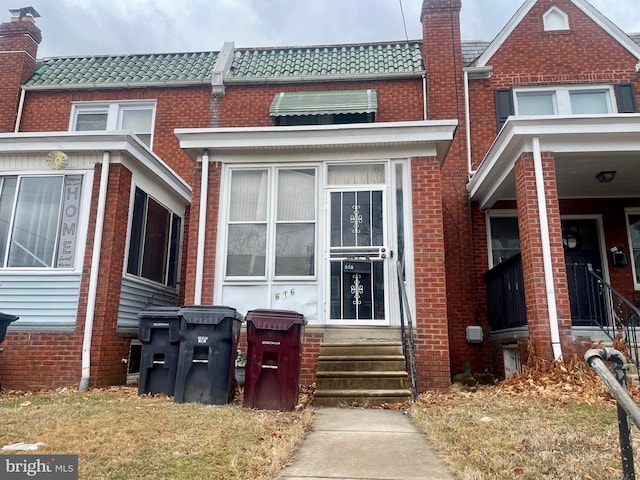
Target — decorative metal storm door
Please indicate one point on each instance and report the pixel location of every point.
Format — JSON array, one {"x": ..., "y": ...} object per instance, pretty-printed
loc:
[{"x": 357, "y": 257}]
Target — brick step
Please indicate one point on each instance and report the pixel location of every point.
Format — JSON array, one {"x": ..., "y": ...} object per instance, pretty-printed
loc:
[
  {"x": 361, "y": 397},
  {"x": 361, "y": 363},
  {"x": 362, "y": 380},
  {"x": 358, "y": 349},
  {"x": 366, "y": 374}
]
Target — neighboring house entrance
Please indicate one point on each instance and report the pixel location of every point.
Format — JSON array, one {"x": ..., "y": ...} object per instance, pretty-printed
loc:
[
  {"x": 581, "y": 244},
  {"x": 358, "y": 256}
]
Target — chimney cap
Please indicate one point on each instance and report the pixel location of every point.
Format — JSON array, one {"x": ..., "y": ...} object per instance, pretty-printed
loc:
[{"x": 20, "y": 13}]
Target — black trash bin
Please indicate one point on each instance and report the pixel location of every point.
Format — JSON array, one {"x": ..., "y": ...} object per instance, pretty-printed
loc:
[
  {"x": 5, "y": 320},
  {"x": 208, "y": 340},
  {"x": 159, "y": 333},
  {"x": 274, "y": 339}
]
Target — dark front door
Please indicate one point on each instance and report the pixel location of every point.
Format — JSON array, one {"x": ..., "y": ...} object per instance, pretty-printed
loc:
[{"x": 581, "y": 244}]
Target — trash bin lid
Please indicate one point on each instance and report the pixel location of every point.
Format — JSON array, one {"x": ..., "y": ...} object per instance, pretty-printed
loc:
[
  {"x": 5, "y": 317},
  {"x": 209, "y": 314},
  {"x": 266, "y": 319},
  {"x": 155, "y": 312}
]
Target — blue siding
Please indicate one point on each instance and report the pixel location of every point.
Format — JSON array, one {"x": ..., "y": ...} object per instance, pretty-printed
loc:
[
  {"x": 136, "y": 296},
  {"x": 47, "y": 301}
]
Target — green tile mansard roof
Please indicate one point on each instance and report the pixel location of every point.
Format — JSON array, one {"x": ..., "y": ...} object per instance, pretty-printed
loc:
[
  {"x": 393, "y": 58},
  {"x": 124, "y": 70},
  {"x": 386, "y": 59}
]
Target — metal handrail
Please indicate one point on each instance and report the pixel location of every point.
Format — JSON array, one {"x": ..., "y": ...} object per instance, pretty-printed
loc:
[
  {"x": 627, "y": 409},
  {"x": 406, "y": 311},
  {"x": 623, "y": 315}
]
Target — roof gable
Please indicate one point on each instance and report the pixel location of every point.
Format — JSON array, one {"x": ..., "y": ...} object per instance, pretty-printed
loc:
[{"x": 603, "y": 22}]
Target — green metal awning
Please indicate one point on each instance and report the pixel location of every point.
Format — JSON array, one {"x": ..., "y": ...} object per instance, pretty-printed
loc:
[{"x": 324, "y": 103}]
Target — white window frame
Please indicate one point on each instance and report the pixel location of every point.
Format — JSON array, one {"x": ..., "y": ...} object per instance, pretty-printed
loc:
[
  {"x": 562, "y": 96},
  {"x": 555, "y": 20},
  {"x": 635, "y": 268},
  {"x": 114, "y": 111},
  {"x": 271, "y": 222},
  {"x": 496, "y": 214},
  {"x": 82, "y": 219}
]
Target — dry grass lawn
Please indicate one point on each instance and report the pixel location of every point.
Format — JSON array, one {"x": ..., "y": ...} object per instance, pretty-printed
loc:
[
  {"x": 120, "y": 435},
  {"x": 554, "y": 423}
]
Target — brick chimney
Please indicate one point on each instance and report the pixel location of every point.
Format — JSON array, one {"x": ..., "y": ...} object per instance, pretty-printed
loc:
[
  {"x": 442, "y": 57},
  {"x": 19, "y": 40}
]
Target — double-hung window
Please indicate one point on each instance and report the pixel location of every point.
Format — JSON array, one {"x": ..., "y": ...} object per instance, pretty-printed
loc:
[
  {"x": 577, "y": 100},
  {"x": 138, "y": 117},
  {"x": 154, "y": 242},
  {"x": 39, "y": 220},
  {"x": 271, "y": 225}
]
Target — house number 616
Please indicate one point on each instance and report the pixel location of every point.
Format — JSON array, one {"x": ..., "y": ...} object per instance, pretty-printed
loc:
[{"x": 285, "y": 294}]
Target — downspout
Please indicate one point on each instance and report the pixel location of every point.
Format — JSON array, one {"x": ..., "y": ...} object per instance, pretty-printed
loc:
[
  {"x": 93, "y": 276},
  {"x": 20, "y": 107},
  {"x": 202, "y": 223},
  {"x": 424, "y": 96},
  {"x": 467, "y": 123},
  {"x": 546, "y": 252}
]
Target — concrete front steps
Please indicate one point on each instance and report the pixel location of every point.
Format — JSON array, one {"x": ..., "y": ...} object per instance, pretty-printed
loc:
[{"x": 363, "y": 374}]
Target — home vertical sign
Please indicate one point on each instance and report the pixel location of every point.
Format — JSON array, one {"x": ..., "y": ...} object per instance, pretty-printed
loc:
[{"x": 69, "y": 220}]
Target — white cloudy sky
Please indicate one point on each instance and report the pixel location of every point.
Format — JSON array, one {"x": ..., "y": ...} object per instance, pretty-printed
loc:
[{"x": 79, "y": 27}]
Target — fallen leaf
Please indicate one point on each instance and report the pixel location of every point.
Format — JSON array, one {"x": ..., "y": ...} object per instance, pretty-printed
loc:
[{"x": 25, "y": 404}]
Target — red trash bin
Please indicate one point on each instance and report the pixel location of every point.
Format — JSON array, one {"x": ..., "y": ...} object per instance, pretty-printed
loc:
[{"x": 274, "y": 340}]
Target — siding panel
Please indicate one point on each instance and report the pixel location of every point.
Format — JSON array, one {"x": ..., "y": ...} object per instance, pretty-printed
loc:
[
  {"x": 136, "y": 296},
  {"x": 41, "y": 301}
]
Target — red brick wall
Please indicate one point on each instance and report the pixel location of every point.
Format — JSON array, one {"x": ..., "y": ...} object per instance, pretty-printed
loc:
[
  {"x": 176, "y": 108},
  {"x": 248, "y": 105},
  {"x": 211, "y": 233},
  {"x": 431, "y": 339},
  {"x": 445, "y": 86},
  {"x": 310, "y": 354},
  {"x": 532, "y": 259},
  {"x": 532, "y": 57},
  {"x": 585, "y": 54},
  {"x": 108, "y": 348},
  {"x": 38, "y": 360}
]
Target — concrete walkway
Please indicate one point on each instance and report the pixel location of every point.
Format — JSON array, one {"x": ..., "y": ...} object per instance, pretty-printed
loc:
[{"x": 351, "y": 444}]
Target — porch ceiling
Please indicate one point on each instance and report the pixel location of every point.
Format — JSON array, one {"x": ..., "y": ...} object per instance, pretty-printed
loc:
[{"x": 583, "y": 147}]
